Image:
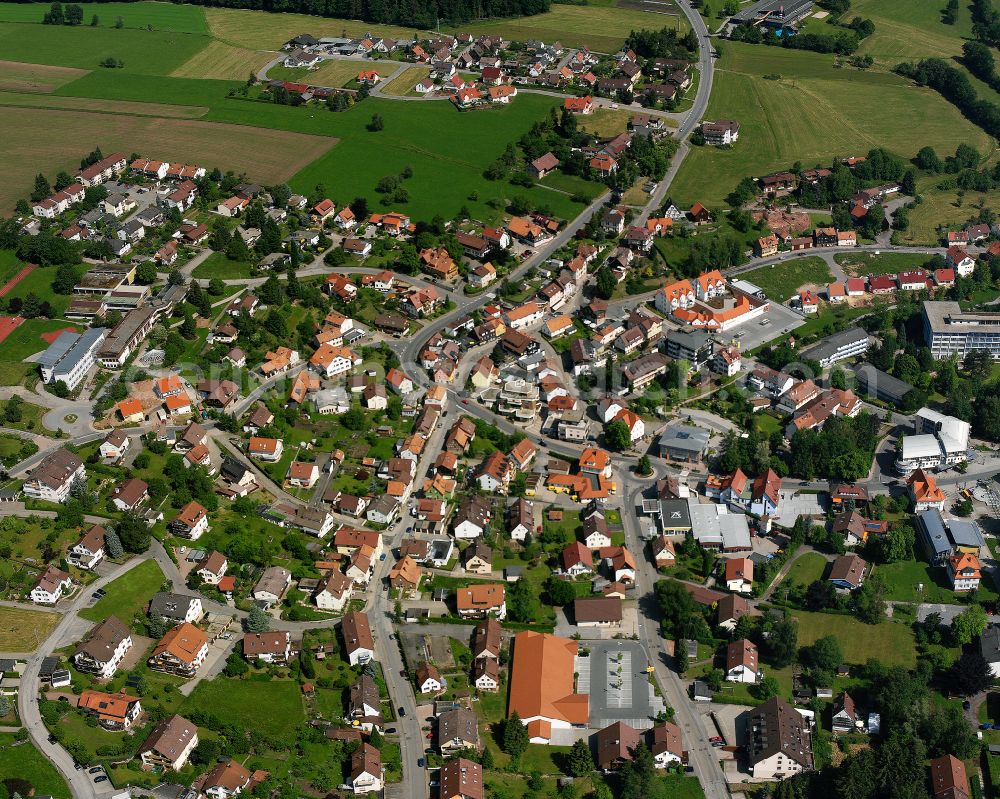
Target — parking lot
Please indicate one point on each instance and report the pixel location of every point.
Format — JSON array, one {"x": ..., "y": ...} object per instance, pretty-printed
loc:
[
  {"x": 793, "y": 505},
  {"x": 618, "y": 684},
  {"x": 776, "y": 322}
]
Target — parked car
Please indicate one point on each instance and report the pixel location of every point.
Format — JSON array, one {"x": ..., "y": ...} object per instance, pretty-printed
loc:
[
  {"x": 402, "y": 711},
  {"x": 100, "y": 779}
]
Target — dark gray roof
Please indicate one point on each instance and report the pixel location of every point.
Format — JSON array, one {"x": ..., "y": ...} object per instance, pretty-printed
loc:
[
  {"x": 932, "y": 529},
  {"x": 170, "y": 606},
  {"x": 989, "y": 644},
  {"x": 684, "y": 437}
]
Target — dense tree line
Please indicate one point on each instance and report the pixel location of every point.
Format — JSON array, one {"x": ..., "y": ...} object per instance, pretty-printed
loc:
[
  {"x": 955, "y": 86},
  {"x": 843, "y": 449},
  {"x": 985, "y": 22},
  {"x": 663, "y": 43},
  {"x": 844, "y": 41},
  {"x": 424, "y": 14}
]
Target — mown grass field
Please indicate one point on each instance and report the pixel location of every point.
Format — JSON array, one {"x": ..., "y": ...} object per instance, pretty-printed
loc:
[
  {"x": 814, "y": 113},
  {"x": 906, "y": 29},
  {"x": 893, "y": 641},
  {"x": 23, "y": 630},
  {"x": 244, "y": 700},
  {"x": 605, "y": 122},
  {"x": 144, "y": 52},
  {"x": 26, "y": 762},
  {"x": 263, "y": 31},
  {"x": 128, "y": 594},
  {"x": 808, "y": 568},
  {"x": 403, "y": 84},
  {"x": 222, "y": 61},
  {"x": 447, "y": 150},
  {"x": 218, "y": 265},
  {"x": 600, "y": 28},
  {"x": 24, "y": 100},
  {"x": 782, "y": 281},
  {"x": 333, "y": 72},
  {"x": 885, "y": 263},
  {"x": 18, "y": 77},
  {"x": 43, "y": 140}
]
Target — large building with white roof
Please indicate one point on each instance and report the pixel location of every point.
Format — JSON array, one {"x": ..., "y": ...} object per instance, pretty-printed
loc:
[
  {"x": 939, "y": 441},
  {"x": 71, "y": 356}
]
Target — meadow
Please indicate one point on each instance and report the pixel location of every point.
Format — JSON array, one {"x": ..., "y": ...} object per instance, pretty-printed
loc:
[
  {"x": 26, "y": 762},
  {"x": 244, "y": 699},
  {"x": 893, "y": 640},
  {"x": 600, "y": 28},
  {"x": 161, "y": 16},
  {"x": 403, "y": 84},
  {"x": 222, "y": 61},
  {"x": 447, "y": 150},
  {"x": 781, "y": 281},
  {"x": 814, "y": 113},
  {"x": 23, "y": 99},
  {"x": 19, "y": 77},
  {"x": 127, "y": 595},
  {"x": 22, "y": 629}
]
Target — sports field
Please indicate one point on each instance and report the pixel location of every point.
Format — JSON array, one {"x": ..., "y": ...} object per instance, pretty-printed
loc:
[
  {"x": 812, "y": 114},
  {"x": 42, "y": 140},
  {"x": 23, "y": 630}
]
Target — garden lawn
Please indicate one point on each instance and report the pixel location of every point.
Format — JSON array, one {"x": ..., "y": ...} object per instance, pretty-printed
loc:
[
  {"x": 903, "y": 577},
  {"x": 812, "y": 114},
  {"x": 605, "y": 122},
  {"x": 782, "y": 281},
  {"x": 891, "y": 642},
  {"x": 806, "y": 569},
  {"x": 31, "y": 419},
  {"x": 218, "y": 265},
  {"x": 446, "y": 149},
  {"x": 883, "y": 263},
  {"x": 128, "y": 594},
  {"x": 23, "y": 629},
  {"x": 26, "y": 762},
  {"x": 241, "y": 701}
]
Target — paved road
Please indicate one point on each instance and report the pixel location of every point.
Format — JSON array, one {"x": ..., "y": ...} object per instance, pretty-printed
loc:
[
  {"x": 701, "y": 755},
  {"x": 81, "y": 783}
]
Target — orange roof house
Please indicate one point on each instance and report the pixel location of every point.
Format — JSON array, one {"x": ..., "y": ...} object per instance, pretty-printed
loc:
[
  {"x": 541, "y": 688},
  {"x": 129, "y": 408},
  {"x": 924, "y": 491}
]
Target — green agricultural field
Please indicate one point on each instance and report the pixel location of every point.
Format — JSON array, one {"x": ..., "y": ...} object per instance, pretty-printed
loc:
[
  {"x": 124, "y": 107},
  {"x": 241, "y": 701},
  {"x": 893, "y": 641},
  {"x": 782, "y": 281},
  {"x": 23, "y": 630},
  {"x": 814, "y": 113},
  {"x": 884, "y": 263},
  {"x": 15, "y": 76},
  {"x": 904, "y": 29},
  {"x": 144, "y": 52},
  {"x": 162, "y": 16},
  {"x": 447, "y": 150},
  {"x": 26, "y": 762},
  {"x": 114, "y": 85},
  {"x": 127, "y": 595},
  {"x": 600, "y": 28}
]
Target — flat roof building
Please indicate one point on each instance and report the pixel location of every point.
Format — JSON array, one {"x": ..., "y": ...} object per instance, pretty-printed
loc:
[
  {"x": 71, "y": 356},
  {"x": 840, "y": 346},
  {"x": 948, "y": 330}
]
